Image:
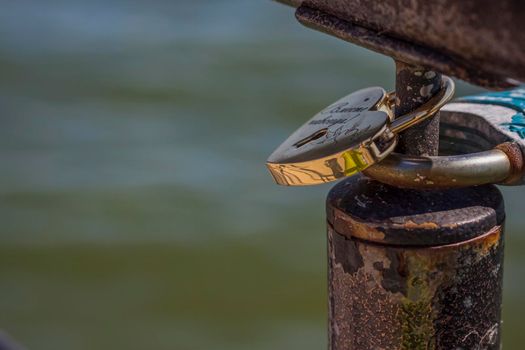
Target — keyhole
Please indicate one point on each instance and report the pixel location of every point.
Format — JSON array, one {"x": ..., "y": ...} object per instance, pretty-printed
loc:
[{"x": 316, "y": 135}]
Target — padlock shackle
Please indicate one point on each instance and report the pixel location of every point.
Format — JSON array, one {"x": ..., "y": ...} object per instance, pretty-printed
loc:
[
  {"x": 496, "y": 166},
  {"x": 426, "y": 110}
]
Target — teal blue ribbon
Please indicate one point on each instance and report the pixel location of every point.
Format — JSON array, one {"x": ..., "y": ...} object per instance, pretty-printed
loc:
[{"x": 514, "y": 99}]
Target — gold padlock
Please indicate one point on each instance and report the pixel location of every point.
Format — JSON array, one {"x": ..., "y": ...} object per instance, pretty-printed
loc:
[{"x": 347, "y": 137}]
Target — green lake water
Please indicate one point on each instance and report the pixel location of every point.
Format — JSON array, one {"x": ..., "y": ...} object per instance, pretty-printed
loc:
[{"x": 135, "y": 208}]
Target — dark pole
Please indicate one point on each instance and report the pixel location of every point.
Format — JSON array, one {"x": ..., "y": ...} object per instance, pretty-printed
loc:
[
  {"x": 414, "y": 269},
  {"x": 415, "y": 86}
]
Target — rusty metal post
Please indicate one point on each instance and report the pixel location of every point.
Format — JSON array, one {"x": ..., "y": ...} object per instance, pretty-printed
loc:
[
  {"x": 414, "y": 269},
  {"x": 419, "y": 269},
  {"x": 415, "y": 86}
]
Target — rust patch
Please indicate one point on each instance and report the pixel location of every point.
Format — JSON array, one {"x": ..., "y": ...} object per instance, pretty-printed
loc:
[
  {"x": 490, "y": 242},
  {"x": 413, "y": 225},
  {"x": 517, "y": 162},
  {"x": 410, "y": 217},
  {"x": 415, "y": 298},
  {"x": 349, "y": 226},
  {"x": 397, "y": 296}
]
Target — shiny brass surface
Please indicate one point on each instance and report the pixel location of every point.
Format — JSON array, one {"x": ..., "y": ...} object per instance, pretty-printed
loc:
[
  {"x": 347, "y": 137},
  {"x": 330, "y": 168}
]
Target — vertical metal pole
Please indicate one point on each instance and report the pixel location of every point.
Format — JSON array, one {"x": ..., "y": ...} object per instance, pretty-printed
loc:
[
  {"x": 414, "y": 269},
  {"x": 415, "y": 86}
]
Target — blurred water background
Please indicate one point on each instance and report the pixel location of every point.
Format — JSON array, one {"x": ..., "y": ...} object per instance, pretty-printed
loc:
[{"x": 135, "y": 209}]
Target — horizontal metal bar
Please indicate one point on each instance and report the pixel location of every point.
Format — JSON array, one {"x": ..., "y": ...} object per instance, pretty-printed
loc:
[
  {"x": 483, "y": 35},
  {"x": 408, "y": 49}
]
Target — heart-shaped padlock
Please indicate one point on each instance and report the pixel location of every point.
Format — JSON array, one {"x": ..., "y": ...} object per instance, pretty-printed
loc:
[{"x": 347, "y": 137}]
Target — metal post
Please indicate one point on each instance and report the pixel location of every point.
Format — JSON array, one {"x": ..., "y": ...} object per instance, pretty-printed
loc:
[
  {"x": 415, "y": 86},
  {"x": 418, "y": 269},
  {"x": 414, "y": 269}
]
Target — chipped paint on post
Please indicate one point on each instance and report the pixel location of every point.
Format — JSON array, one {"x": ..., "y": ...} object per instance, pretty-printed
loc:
[
  {"x": 384, "y": 297},
  {"x": 423, "y": 138},
  {"x": 433, "y": 296}
]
